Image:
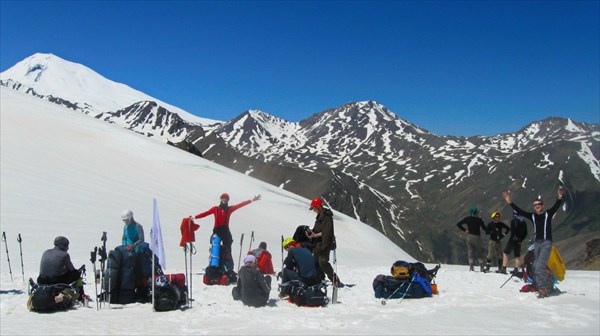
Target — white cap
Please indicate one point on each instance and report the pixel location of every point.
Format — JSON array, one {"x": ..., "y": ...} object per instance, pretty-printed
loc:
[{"x": 127, "y": 214}]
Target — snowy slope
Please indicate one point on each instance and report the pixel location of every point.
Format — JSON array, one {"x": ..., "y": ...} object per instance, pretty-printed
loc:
[
  {"x": 65, "y": 173},
  {"x": 49, "y": 74}
]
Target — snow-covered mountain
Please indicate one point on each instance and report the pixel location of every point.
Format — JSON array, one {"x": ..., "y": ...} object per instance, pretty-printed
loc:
[
  {"x": 65, "y": 173},
  {"x": 369, "y": 163},
  {"x": 50, "y": 76}
]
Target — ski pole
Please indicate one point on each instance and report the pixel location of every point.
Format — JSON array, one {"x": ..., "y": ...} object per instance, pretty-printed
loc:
[
  {"x": 21, "y": 252},
  {"x": 281, "y": 254},
  {"x": 251, "y": 240},
  {"x": 93, "y": 255},
  {"x": 187, "y": 278},
  {"x": 7, "y": 256},
  {"x": 335, "y": 280},
  {"x": 192, "y": 251},
  {"x": 240, "y": 257}
]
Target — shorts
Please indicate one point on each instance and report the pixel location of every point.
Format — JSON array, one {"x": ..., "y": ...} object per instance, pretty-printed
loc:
[{"x": 513, "y": 245}]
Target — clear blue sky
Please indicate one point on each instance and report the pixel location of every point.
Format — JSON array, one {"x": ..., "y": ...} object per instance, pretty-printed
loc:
[{"x": 452, "y": 67}]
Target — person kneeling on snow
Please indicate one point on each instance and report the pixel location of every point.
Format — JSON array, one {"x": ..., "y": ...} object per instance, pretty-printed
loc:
[
  {"x": 299, "y": 264},
  {"x": 252, "y": 287}
]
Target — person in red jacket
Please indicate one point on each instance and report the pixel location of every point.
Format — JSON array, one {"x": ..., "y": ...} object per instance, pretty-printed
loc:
[
  {"x": 264, "y": 258},
  {"x": 222, "y": 213}
]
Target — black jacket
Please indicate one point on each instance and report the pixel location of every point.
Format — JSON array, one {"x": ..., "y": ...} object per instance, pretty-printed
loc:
[{"x": 324, "y": 224}]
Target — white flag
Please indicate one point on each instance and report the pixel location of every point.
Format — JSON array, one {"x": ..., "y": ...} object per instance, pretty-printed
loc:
[{"x": 156, "y": 236}]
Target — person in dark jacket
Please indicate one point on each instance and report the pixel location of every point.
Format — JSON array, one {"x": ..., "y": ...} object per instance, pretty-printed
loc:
[
  {"x": 496, "y": 230},
  {"x": 300, "y": 264},
  {"x": 222, "y": 212},
  {"x": 473, "y": 230},
  {"x": 323, "y": 240},
  {"x": 56, "y": 266},
  {"x": 542, "y": 230},
  {"x": 252, "y": 287},
  {"x": 518, "y": 233}
]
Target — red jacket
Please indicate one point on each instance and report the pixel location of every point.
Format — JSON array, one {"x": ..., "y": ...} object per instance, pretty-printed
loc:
[
  {"x": 219, "y": 213},
  {"x": 265, "y": 260}
]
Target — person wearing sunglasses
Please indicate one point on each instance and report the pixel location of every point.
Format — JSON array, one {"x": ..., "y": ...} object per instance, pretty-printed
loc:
[{"x": 542, "y": 230}]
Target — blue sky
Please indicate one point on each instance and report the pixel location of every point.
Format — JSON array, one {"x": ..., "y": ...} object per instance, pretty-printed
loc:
[{"x": 452, "y": 67}]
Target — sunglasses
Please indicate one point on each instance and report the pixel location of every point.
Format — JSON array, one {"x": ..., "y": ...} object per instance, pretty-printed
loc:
[{"x": 536, "y": 204}]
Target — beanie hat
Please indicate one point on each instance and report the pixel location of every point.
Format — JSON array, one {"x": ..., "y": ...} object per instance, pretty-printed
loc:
[
  {"x": 62, "y": 243},
  {"x": 473, "y": 211},
  {"x": 249, "y": 259},
  {"x": 497, "y": 213}
]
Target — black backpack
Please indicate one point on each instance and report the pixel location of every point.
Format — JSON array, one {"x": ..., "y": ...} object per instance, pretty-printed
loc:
[
  {"x": 308, "y": 296},
  {"x": 167, "y": 297},
  {"x": 42, "y": 297}
]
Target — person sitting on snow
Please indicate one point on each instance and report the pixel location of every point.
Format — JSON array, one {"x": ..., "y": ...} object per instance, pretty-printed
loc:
[
  {"x": 264, "y": 258},
  {"x": 252, "y": 287}
]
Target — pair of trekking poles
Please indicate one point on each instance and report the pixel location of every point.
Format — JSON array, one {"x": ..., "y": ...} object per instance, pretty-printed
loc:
[{"x": 8, "y": 256}]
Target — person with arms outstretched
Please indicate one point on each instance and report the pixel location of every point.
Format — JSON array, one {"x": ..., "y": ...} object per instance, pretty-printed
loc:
[{"x": 542, "y": 231}]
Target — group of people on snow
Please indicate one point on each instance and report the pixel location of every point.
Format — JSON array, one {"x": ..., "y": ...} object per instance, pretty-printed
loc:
[
  {"x": 254, "y": 277},
  {"x": 308, "y": 258},
  {"x": 497, "y": 230}
]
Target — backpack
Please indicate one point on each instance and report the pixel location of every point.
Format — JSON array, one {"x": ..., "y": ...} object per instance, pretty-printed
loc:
[
  {"x": 167, "y": 297},
  {"x": 42, "y": 298},
  {"x": 308, "y": 296},
  {"x": 400, "y": 270},
  {"x": 520, "y": 228},
  {"x": 388, "y": 287}
]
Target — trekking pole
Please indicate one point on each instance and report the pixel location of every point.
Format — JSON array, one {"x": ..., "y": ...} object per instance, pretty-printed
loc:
[
  {"x": 408, "y": 288},
  {"x": 21, "y": 252},
  {"x": 383, "y": 302},
  {"x": 240, "y": 257},
  {"x": 93, "y": 255},
  {"x": 335, "y": 280},
  {"x": 251, "y": 240},
  {"x": 7, "y": 256},
  {"x": 192, "y": 251},
  {"x": 103, "y": 257},
  {"x": 281, "y": 252},
  {"x": 505, "y": 282},
  {"x": 187, "y": 279}
]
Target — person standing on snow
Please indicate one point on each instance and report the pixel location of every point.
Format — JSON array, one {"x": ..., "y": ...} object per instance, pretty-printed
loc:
[
  {"x": 133, "y": 232},
  {"x": 473, "y": 230},
  {"x": 542, "y": 230},
  {"x": 518, "y": 233},
  {"x": 222, "y": 213},
  {"x": 494, "y": 230},
  {"x": 323, "y": 240}
]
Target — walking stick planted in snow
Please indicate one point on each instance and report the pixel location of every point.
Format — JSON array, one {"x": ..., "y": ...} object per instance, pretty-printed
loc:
[
  {"x": 21, "y": 252},
  {"x": 93, "y": 255},
  {"x": 251, "y": 240},
  {"x": 240, "y": 257},
  {"x": 187, "y": 275},
  {"x": 7, "y": 256}
]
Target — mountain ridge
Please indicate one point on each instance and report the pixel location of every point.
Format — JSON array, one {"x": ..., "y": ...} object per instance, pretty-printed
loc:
[{"x": 369, "y": 163}]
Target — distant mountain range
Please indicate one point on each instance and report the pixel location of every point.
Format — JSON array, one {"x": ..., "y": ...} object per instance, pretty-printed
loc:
[{"x": 364, "y": 160}]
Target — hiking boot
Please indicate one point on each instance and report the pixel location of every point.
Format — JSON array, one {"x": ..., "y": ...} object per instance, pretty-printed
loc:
[
  {"x": 487, "y": 267},
  {"x": 515, "y": 272},
  {"x": 482, "y": 268},
  {"x": 542, "y": 293},
  {"x": 471, "y": 268},
  {"x": 501, "y": 270}
]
